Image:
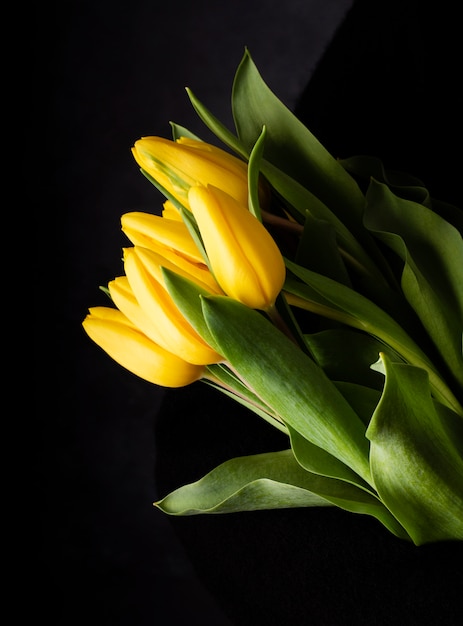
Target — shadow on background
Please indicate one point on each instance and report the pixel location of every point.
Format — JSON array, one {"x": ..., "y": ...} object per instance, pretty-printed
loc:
[{"x": 117, "y": 72}]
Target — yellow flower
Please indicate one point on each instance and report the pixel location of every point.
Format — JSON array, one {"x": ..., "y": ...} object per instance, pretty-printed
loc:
[
  {"x": 170, "y": 245},
  {"x": 244, "y": 258},
  {"x": 167, "y": 326},
  {"x": 170, "y": 211},
  {"x": 127, "y": 345},
  {"x": 151, "y": 231},
  {"x": 179, "y": 165}
]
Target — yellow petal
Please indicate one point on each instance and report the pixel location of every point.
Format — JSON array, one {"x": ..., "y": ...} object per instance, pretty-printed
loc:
[
  {"x": 244, "y": 258},
  {"x": 170, "y": 211},
  {"x": 129, "y": 347},
  {"x": 123, "y": 297},
  {"x": 178, "y": 165},
  {"x": 173, "y": 332},
  {"x": 159, "y": 257},
  {"x": 147, "y": 230}
]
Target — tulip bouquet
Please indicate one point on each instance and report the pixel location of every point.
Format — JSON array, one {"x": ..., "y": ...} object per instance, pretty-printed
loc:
[{"x": 324, "y": 295}]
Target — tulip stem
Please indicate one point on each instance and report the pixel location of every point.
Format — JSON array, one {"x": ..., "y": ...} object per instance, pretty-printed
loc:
[{"x": 282, "y": 222}]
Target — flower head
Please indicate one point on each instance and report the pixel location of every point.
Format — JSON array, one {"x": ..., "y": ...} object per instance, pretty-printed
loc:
[
  {"x": 171, "y": 246},
  {"x": 244, "y": 258},
  {"x": 155, "y": 311},
  {"x": 179, "y": 165},
  {"x": 127, "y": 345},
  {"x": 152, "y": 232}
]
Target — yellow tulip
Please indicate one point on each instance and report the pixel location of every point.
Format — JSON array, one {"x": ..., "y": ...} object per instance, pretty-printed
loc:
[
  {"x": 179, "y": 165},
  {"x": 171, "y": 246},
  {"x": 168, "y": 326},
  {"x": 150, "y": 231},
  {"x": 128, "y": 346},
  {"x": 244, "y": 258},
  {"x": 170, "y": 211}
]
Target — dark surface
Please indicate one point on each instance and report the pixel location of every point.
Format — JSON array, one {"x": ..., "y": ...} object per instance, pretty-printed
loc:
[
  {"x": 111, "y": 444},
  {"x": 387, "y": 86},
  {"x": 108, "y": 73},
  {"x": 324, "y": 567}
]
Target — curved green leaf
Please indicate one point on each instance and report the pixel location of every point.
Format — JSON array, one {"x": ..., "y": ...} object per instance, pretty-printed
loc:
[
  {"x": 272, "y": 480},
  {"x": 416, "y": 461},
  {"x": 216, "y": 127},
  {"x": 290, "y": 146},
  {"x": 272, "y": 366},
  {"x": 180, "y": 131},
  {"x": 318, "y": 461},
  {"x": 403, "y": 184},
  {"x": 318, "y": 250},
  {"x": 362, "y": 399},
  {"x": 264, "y": 481},
  {"x": 187, "y": 296},
  {"x": 432, "y": 277},
  {"x": 346, "y": 354},
  {"x": 333, "y": 300},
  {"x": 255, "y": 159}
]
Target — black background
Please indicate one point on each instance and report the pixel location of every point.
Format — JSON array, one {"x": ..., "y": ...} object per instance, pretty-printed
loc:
[{"x": 117, "y": 71}]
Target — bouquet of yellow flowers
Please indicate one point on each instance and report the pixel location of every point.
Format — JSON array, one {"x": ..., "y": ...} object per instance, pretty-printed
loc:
[{"x": 324, "y": 295}]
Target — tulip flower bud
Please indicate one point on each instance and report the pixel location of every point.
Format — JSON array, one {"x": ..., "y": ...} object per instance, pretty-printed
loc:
[
  {"x": 179, "y": 165},
  {"x": 244, "y": 258},
  {"x": 170, "y": 211},
  {"x": 128, "y": 346},
  {"x": 168, "y": 326},
  {"x": 150, "y": 231}
]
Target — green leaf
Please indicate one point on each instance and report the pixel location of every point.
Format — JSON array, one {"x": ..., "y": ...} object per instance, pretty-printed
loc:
[
  {"x": 264, "y": 481},
  {"x": 254, "y": 174},
  {"x": 290, "y": 146},
  {"x": 403, "y": 184},
  {"x": 180, "y": 131},
  {"x": 335, "y": 301},
  {"x": 318, "y": 250},
  {"x": 362, "y": 499},
  {"x": 193, "y": 229},
  {"x": 362, "y": 399},
  {"x": 371, "y": 271},
  {"x": 272, "y": 480},
  {"x": 163, "y": 190},
  {"x": 187, "y": 296},
  {"x": 416, "y": 457},
  {"x": 216, "y": 127},
  {"x": 347, "y": 355},
  {"x": 318, "y": 461},
  {"x": 432, "y": 277},
  {"x": 271, "y": 365},
  {"x": 450, "y": 213}
]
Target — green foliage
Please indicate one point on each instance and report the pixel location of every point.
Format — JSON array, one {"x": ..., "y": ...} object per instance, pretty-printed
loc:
[{"x": 369, "y": 390}]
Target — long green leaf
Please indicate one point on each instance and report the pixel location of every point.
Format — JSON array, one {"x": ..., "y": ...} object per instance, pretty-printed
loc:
[
  {"x": 272, "y": 480},
  {"x": 290, "y": 145},
  {"x": 335, "y": 301},
  {"x": 216, "y": 127},
  {"x": 346, "y": 354},
  {"x": 432, "y": 278},
  {"x": 264, "y": 481},
  {"x": 277, "y": 370},
  {"x": 187, "y": 296},
  {"x": 416, "y": 456},
  {"x": 255, "y": 159},
  {"x": 318, "y": 250}
]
